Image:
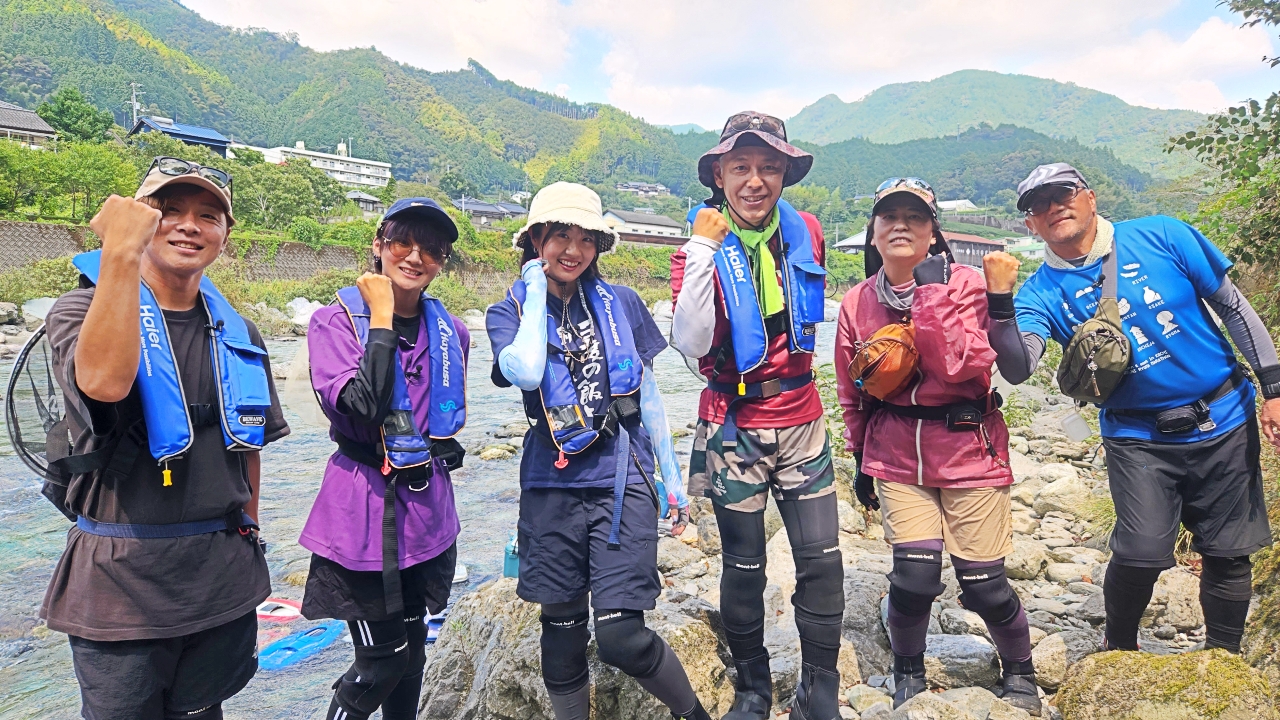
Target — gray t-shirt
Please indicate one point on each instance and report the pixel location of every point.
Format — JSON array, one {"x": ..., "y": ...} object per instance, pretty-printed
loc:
[{"x": 108, "y": 589}]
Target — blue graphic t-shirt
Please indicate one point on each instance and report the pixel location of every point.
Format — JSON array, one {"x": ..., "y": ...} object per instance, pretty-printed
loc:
[
  {"x": 594, "y": 467},
  {"x": 1179, "y": 354}
]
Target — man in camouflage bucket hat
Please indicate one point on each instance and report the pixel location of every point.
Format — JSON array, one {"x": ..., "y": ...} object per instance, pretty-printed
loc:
[{"x": 749, "y": 289}]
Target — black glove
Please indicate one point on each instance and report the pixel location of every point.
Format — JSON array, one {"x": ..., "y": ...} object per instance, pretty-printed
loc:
[
  {"x": 934, "y": 269},
  {"x": 864, "y": 486},
  {"x": 682, "y": 521}
]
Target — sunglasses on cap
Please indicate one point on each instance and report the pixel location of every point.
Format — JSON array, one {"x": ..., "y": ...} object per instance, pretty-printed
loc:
[
  {"x": 754, "y": 121},
  {"x": 177, "y": 167},
  {"x": 1050, "y": 195},
  {"x": 903, "y": 182},
  {"x": 401, "y": 248}
]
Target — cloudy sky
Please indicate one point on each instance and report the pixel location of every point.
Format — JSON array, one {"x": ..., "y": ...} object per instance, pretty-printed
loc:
[{"x": 678, "y": 61}]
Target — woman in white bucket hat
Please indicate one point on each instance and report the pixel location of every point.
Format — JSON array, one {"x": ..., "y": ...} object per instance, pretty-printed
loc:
[{"x": 582, "y": 350}]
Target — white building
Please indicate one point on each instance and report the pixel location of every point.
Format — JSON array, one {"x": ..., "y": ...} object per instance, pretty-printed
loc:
[
  {"x": 349, "y": 171},
  {"x": 642, "y": 189},
  {"x": 1028, "y": 247},
  {"x": 957, "y": 206},
  {"x": 639, "y": 223}
]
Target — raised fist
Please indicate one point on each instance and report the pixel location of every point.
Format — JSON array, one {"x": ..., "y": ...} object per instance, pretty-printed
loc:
[
  {"x": 125, "y": 225},
  {"x": 710, "y": 223},
  {"x": 377, "y": 293},
  {"x": 1001, "y": 271}
]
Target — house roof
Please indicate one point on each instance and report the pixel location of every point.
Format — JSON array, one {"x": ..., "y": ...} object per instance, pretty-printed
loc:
[
  {"x": 964, "y": 237},
  {"x": 636, "y": 218},
  {"x": 357, "y": 195},
  {"x": 487, "y": 208},
  {"x": 13, "y": 117},
  {"x": 169, "y": 127},
  {"x": 856, "y": 240}
]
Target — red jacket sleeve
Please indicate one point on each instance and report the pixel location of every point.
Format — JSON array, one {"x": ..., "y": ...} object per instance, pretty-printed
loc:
[
  {"x": 819, "y": 240},
  {"x": 951, "y": 327},
  {"x": 852, "y": 401},
  {"x": 677, "y": 274}
]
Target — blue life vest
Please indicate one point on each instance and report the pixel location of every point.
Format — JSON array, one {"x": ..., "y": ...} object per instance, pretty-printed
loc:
[
  {"x": 404, "y": 445},
  {"x": 243, "y": 394},
  {"x": 803, "y": 290},
  {"x": 568, "y": 423}
]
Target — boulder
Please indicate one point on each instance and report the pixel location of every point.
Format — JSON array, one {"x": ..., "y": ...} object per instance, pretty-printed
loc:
[
  {"x": 861, "y": 697},
  {"x": 1092, "y": 611},
  {"x": 674, "y": 555},
  {"x": 1001, "y": 710},
  {"x": 486, "y": 663},
  {"x": 928, "y": 706},
  {"x": 35, "y": 309},
  {"x": 10, "y": 314},
  {"x": 496, "y": 452},
  {"x": 709, "y": 535},
  {"x": 1176, "y": 601},
  {"x": 974, "y": 700},
  {"x": 862, "y": 627},
  {"x": 954, "y": 661},
  {"x": 1024, "y": 524},
  {"x": 879, "y": 711},
  {"x": 958, "y": 621},
  {"x": 1065, "y": 572},
  {"x": 1213, "y": 685},
  {"x": 1027, "y": 559},
  {"x": 1067, "y": 494},
  {"x": 473, "y": 319},
  {"x": 663, "y": 310},
  {"x": 1053, "y": 655},
  {"x": 851, "y": 521},
  {"x": 772, "y": 519}
]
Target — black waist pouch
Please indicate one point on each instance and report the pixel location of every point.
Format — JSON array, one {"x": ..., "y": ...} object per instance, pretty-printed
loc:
[{"x": 1182, "y": 419}]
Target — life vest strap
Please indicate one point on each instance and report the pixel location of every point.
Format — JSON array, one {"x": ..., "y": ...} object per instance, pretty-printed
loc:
[
  {"x": 236, "y": 520},
  {"x": 766, "y": 389}
]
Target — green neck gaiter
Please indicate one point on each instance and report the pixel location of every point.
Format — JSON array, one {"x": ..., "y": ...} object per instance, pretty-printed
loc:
[{"x": 768, "y": 291}]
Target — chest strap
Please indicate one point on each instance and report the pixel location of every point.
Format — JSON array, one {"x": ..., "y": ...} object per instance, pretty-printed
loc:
[
  {"x": 236, "y": 520},
  {"x": 766, "y": 389}
]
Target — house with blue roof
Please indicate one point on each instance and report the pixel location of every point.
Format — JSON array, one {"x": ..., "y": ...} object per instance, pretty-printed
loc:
[{"x": 190, "y": 134}]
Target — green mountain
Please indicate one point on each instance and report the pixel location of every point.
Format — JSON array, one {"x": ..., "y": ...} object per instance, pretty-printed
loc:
[
  {"x": 266, "y": 89},
  {"x": 964, "y": 99}
]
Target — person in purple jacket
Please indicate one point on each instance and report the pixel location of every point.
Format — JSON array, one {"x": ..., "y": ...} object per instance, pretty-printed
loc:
[{"x": 388, "y": 364}]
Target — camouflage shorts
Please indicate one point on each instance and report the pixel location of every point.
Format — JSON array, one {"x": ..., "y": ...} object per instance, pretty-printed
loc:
[{"x": 794, "y": 462}]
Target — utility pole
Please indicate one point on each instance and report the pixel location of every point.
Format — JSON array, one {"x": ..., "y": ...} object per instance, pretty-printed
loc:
[{"x": 133, "y": 102}]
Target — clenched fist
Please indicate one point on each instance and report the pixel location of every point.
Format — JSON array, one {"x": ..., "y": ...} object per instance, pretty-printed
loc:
[
  {"x": 125, "y": 226},
  {"x": 377, "y": 293},
  {"x": 710, "y": 223},
  {"x": 1001, "y": 270}
]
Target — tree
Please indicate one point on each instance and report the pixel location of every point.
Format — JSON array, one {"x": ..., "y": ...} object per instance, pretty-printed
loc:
[
  {"x": 91, "y": 172},
  {"x": 456, "y": 186},
  {"x": 74, "y": 117},
  {"x": 269, "y": 196},
  {"x": 388, "y": 193}
]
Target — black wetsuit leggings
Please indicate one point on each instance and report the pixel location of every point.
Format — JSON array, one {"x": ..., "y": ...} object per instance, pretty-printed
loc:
[
  {"x": 387, "y": 673},
  {"x": 813, "y": 530}
]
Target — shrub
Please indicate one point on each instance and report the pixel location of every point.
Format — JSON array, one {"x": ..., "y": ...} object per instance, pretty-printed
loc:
[
  {"x": 307, "y": 231},
  {"x": 42, "y": 278}
]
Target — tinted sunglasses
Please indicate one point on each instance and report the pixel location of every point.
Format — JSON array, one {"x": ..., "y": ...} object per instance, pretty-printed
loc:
[
  {"x": 907, "y": 182},
  {"x": 177, "y": 167},
  {"x": 401, "y": 248},
  {"x": 1050, "y": 195},
  {"x": 754, "y": 121}
]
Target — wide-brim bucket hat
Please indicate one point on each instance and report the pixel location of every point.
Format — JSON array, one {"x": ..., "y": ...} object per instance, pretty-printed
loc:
[
  {"x": 755, "y": 128},
  {"x": 571, "y": 204}
]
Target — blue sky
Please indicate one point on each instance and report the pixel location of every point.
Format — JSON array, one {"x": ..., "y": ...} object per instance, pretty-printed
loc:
[{"x": 678, "y": 61}]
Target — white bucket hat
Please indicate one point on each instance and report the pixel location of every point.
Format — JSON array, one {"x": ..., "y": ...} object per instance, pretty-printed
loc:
[{"x": 571, "y": 204}]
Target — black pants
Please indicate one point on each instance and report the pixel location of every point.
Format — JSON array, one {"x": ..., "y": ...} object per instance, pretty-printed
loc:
[
  {"x": 181, "y": 677},
  {"x": 387, "y": 672}
]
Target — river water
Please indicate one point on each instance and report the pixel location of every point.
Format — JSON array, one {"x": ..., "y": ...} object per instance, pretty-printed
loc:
[{"x": 36, "y": 677}]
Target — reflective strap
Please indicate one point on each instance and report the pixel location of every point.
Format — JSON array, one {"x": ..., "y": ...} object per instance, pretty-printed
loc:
[
  {"x": 619, "y": 485},
  {"x": 171, "y": 530}
]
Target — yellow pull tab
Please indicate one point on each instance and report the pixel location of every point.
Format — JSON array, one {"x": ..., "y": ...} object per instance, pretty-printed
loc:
[
  {"x": 742, "y": 389},
  {"x": 168, "y": 475}
]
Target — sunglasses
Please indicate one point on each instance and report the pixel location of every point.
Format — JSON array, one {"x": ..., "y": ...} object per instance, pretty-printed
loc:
[
  {"x": 177, "y": 167},
  {"x": 754, "y": 121},
  {"x": 907, "y": 182},
  {"x": 1051, "y": 195},
  {"x": 401, "y": 248}
]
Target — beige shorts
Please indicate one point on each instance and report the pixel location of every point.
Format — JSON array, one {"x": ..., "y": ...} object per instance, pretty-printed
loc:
[{"x": 973, "y": 523}]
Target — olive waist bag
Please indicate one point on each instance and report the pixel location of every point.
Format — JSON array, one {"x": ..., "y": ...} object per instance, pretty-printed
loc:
[{"x": 1095, "y": 360}]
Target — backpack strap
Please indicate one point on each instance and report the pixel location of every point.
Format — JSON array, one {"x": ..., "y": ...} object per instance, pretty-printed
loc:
[{"x": 1109, "y": 274}]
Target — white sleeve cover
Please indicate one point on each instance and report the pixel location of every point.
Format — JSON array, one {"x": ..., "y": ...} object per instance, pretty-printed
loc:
[
  {"x": 525, "y": 359},
  {"x": 694, "y": 319},
  {"x": 653, "y": 415}
]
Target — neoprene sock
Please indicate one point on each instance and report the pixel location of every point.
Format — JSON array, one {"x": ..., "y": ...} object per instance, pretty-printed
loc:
[
  {"x": 1226, "y": 585},
  {"x": 995, "y": 600},
  {"x": 1126, "y": 592},
  {"x": 670, "y": 684}
]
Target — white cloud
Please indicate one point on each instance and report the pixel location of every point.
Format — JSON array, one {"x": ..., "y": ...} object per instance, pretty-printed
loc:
[{"x": 675, "y": 61}]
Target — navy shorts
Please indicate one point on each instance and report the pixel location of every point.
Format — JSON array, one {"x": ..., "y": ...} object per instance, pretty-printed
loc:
[
  {"x": 165, "y": 678},
  {"x": 563, "y": 543},
  {"x": 1212, "y": 487}
]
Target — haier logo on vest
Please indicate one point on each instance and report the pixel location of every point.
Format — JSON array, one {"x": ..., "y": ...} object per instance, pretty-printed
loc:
[
  {"x": 738, "y": 266},
  {"x": 608, "y": 310},
  {"x": 446, "y": 332},
  {"x": 150, "y": 335}
]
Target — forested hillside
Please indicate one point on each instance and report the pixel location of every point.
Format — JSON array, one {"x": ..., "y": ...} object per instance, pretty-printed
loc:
[{"x": 965, "y": 99}]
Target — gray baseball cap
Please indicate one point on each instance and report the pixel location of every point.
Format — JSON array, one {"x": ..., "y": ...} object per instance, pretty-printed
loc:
[{"x": 1052, "y": 174}]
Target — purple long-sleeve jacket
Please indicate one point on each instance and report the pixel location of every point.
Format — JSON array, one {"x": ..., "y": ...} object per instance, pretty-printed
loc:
[{"x": 345, "y": 524}]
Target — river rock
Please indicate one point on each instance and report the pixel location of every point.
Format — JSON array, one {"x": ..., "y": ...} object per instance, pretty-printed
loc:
[
  {"x": 662, "y": 310},
  {"x": 1001, "y": 710},
  {"x": 928, "y": 706},
  {"x": 878, "y": 711},
  {"x": 860, "y": 697},
  {"x": 1212, "y": 684},
  {"x": 10, "y": 314},
  {"x": 974, "y": 700},
  {"x": 953, "y": 661},
  {"x": 1092, "y": 611},
  {"x": 772, "y": 519},
  {"x": 1027, "y": 559},
  {"x": 851, "y": 521},
  {"x": 1068, "y": 494},
  {"x": 1080, "y": 555},
  {"x": 1024, "y": 524},
  {"x": 1053, "y": 655},
  {"x": 1176, "y": 601},
  {"x": 512, "y": 430},
  {"x": 862, "y": 626},
  {"x": 487, "y": 662},
  {"x": 673, "y": 555},
  {"x": 958, "y": 621},
  {"x": 473, "y": 319},
  {"x": 709, "y": 535},
  {"x": 1065, "y": 572},
  {"x": 497, "y": 452}
]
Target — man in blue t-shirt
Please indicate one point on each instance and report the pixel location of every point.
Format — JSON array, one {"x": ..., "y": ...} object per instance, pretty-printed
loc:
[{"x": 1203, "y": 473}]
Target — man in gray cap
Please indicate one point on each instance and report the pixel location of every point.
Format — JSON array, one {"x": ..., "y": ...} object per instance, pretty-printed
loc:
[
  {"x": 1179, "y": 429},
  {"x": 749, "y": 289}
]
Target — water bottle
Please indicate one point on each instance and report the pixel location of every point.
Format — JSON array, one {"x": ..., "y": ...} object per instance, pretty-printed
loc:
[{"x": 511, "y": 560}]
